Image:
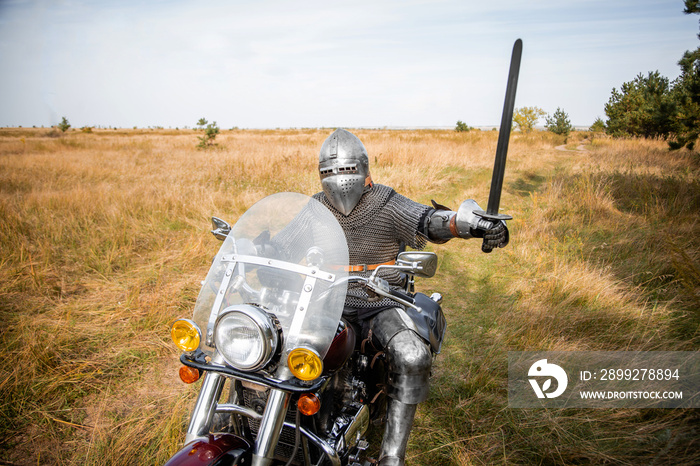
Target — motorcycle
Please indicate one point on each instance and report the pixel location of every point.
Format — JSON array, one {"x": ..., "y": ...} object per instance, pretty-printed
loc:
[{"x": 286, "y": 380}]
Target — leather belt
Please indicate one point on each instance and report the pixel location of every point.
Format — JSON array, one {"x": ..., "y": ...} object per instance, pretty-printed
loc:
[{"x": 365, "y": 267}]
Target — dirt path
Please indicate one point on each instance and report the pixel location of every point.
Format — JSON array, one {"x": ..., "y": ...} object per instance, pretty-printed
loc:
[{"x": 580, "y": 148}]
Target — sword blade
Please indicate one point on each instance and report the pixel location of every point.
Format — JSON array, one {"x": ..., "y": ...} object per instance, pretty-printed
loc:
[{"x": 499, "y": 166}]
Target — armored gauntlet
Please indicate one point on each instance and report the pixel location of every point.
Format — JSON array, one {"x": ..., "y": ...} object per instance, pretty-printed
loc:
[{"x": 445, "y": 224}]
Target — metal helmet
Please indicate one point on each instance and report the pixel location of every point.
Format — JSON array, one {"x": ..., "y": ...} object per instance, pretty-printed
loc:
[{"x": 344, "y": 169}]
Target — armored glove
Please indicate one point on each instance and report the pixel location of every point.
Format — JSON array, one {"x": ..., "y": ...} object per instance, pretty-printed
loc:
[
  {"x": 445, "y": 224},
  {"x": 495, "y": 235}
]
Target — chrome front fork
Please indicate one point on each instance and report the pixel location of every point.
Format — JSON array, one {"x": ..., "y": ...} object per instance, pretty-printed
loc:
[
  {"x": 270, "y": 425},
  {"x": 272, "y": 422},
  {"x": 205, "y": 408}
]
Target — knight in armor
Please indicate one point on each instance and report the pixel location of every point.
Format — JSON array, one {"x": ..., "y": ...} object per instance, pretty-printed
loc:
[{"x": 378, "y": 223}]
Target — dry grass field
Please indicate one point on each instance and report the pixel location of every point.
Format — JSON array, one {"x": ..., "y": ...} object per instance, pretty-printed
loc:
[{"x": 104, "y": 239}]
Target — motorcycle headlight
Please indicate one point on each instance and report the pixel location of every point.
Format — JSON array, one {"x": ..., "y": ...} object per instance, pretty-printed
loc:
[{"x": 246, "y": 337}]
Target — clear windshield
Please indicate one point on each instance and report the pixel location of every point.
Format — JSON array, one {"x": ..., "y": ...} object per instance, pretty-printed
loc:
[{"x": 286, "y": 254}]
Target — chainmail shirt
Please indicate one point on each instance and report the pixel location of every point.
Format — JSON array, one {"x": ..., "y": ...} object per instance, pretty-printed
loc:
[{"x": 377, "y": 229}]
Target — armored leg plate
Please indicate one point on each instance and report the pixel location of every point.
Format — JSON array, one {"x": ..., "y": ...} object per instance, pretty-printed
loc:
[{"x": 408, "y": 356}]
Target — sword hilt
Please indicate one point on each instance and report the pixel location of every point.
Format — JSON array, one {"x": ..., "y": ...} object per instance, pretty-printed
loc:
[{"x": 492, "y": 217}]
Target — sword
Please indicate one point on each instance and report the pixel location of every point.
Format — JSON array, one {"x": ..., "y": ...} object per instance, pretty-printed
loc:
[{"x": 499, "y": 166}]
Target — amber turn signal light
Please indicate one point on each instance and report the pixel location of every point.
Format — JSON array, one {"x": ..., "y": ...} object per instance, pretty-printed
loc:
[
  {"x": 189, "y": 374},
  {"x": 308, "y": 404}
]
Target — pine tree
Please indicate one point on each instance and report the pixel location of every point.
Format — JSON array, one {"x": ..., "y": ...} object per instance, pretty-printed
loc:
[
  {"x": 210, "y": 133},
  {"x": 63, "y": 125},
  {"x": 559, "y": 123},
  {"x": 642, "y": 107},
  {"x": 687, "y": 94}
]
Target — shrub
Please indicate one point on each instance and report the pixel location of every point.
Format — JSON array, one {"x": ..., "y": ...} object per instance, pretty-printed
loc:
[
  {"x": 462, "y": 127},
  {"x": 598, "y": 126}
]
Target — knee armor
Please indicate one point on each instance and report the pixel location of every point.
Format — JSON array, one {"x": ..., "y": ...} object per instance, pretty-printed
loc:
[{"x": 408, "y": 356}]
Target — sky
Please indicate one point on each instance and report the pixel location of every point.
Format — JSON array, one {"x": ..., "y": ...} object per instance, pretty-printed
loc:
[{"x": 295, "y": 64}]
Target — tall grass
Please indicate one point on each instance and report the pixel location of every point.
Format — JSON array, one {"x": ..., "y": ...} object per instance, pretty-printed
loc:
[{"x": 104, "y": 240}]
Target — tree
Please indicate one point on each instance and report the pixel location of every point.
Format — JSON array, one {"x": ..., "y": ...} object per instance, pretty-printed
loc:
[
  {"x": 598, "y": 126},
  {"x": 652, "y": 107},
  {"x": 63, "y": 125},
  {"x": 462, "y": 126},
  {"x": 642, "y": 107},
  {"x": 686, "y": 92},
  {"x": 525, "y": 118},
  {"x": 202, "y": 122},
  {"x": 210, "y": 133},
  {"x": 559, "y": 123}
]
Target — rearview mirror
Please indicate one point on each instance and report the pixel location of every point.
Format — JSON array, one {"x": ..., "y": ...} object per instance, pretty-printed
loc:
[
  {"x": 221, "y": 228},
  {"x": 423, "y": 264}
]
